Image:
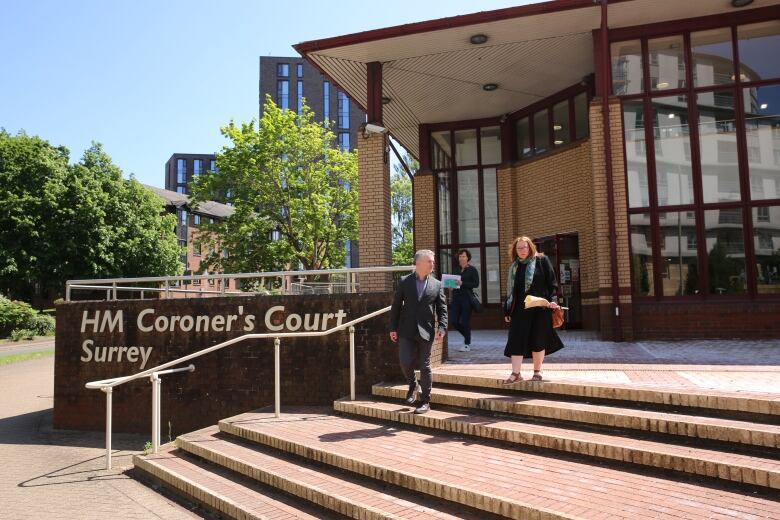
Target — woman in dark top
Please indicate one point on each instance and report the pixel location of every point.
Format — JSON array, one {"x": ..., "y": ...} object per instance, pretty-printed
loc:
[
  {"x": 531, "y": 333},
  {"x": 460, "y": 313}
]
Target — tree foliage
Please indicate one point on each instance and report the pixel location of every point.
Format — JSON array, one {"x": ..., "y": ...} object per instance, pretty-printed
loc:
[
  {"x": 61, "y": 221},
  {"x": 294, "y": 194},
  {"x": 401, "y": 212}
]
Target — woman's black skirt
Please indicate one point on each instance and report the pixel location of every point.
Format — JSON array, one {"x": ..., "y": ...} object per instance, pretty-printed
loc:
[{"x": 530, "y": 331}]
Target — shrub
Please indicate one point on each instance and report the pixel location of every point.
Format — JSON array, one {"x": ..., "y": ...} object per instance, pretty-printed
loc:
[
  {"x": 20, "y": 334},
  {"x": 42, "y": 324},
  {"x": 14, "y": 315}
]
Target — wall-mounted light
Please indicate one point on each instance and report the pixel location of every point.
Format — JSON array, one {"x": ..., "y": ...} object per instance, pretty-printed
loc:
[
  {"x": 478, "y": 39},
  {"x": 740, "y": 3},
  {"x": 490, "y": 86}
]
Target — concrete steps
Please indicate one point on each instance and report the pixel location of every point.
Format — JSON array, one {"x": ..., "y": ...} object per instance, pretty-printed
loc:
[
  {"x": 697, "y": 461},
  {"x": 220, "y": 491},
  {"x": 489, "y": 477},
  {"x": 484, "y": 452},
  {"x": 624, "y": 416},
  {"x": 720, "y": 401}
]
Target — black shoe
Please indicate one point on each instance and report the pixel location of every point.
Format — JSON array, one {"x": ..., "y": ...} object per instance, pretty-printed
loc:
[
  {"x": 423, "y": 408},
  {"x": 413, "y": 393}
]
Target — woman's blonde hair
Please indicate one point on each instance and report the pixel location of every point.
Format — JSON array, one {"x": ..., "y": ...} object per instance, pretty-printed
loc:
[{"x": 532, "y": 251}]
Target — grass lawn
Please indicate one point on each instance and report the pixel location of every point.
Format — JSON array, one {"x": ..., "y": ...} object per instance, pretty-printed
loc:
[{"x": 26, "y": 356}]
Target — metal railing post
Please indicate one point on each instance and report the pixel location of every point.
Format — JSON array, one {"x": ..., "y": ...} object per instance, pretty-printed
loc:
[
  {"x": 67, "y": 291},
  {"x": 352, "y": 362},
  {"x": 109, "y": 392},
  {"x": 113, "y": 288},
  {"x": 277, "y": 380},
  {"x": 156, "y": 384}
]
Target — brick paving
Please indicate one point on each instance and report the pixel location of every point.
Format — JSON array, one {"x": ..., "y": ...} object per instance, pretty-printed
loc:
[
  {"x": 725, "y": 365},
  {"x": 469, "y": 472},
  {"x": 56, "y": 474}
]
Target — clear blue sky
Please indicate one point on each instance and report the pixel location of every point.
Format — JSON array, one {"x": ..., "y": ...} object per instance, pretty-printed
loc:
[{"x": 148, "y": 79}]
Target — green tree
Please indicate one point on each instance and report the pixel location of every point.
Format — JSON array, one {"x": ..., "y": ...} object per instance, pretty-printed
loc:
[
  {"x": 286, "y": 181},
  {"x": 402, "y": 212},
  {"x": 59, "y": 222}
]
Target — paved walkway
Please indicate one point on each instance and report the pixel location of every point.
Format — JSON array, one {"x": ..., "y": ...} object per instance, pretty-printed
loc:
[
  {"x": 725, "y": 365},
  {"x": 53, "y": 474}
]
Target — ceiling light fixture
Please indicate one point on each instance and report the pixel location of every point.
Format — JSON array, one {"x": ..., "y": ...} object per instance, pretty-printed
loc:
[
  {"x": 662, "y": 85},
  {"x": 489, "y": 86},
  {"x": 558, "y": 141},
  {"x": 740, "y": 3},
  {"x": 557, "y": 127},
  {"x": 764, "y": 106},
  {"x": 672, "y": 116},
  {"x": 386, "y": 100},
  {"x": 478, "y": 39}
]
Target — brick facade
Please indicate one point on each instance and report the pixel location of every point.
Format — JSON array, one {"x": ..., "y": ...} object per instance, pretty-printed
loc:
[
  {"x": 424, "y": 203},
  {"x": 374, "y": 211}
]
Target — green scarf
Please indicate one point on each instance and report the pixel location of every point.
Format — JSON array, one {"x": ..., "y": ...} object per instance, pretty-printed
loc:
[{"x": 530, "y": 268}]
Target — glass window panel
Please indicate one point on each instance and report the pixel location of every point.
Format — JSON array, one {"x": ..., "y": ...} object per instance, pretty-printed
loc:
[
  {"x": 561, "y": 123},
  {"x": 541, "y": 131},
  {"x": 468, "y": 206},
  {"x": 766, "y": 243},
  {"x": 523, "y": 138},
  {"x": 680, "y": 271},
  {"x": 441, "y": 150},
  {"x": 713, "y": 57},
  {"x": 674, "y": 180},
  {"x": 445, "y": 218},
  {"x": 667, "y": 62},
  {"x": 491, "y": 204},
  {"x": 758, "y": 47},
  {"x": 493, "y": 280},
  {"x": 725, "y": 251},
  {"x": 641, "y": 254},
  {"x": 197, "y": 166},
  {"x": 445, "y": 262},
  {"x": 718, "y": 146},
  {"x": 490, "y": 144},
  {"x": 476, "y": 261},
  {"x": 283, "y": 94},
  {"x": 626, "y": 67},
  {"x": 581, "y": 115},
  {"x": 636, "y": 154},
  {"x": 465, "y": 147},
  {"x": 762, "y": 121}
]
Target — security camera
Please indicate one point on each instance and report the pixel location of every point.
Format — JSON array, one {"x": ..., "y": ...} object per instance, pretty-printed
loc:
[{"x": 370, "y": 128}]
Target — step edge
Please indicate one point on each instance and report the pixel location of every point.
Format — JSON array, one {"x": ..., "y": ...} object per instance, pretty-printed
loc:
[
  {"x": 432, "y": 487},
  {"x": 601, "y": 450},
  {"x": 221, "y": 504},
  {"x": 297, "y": 489},
  {"x": 763, "y": 406},
  {"x": 681, "y": 426}
]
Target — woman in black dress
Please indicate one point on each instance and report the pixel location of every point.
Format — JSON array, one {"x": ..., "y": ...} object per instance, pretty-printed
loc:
[{"x": 531, "y": 333}]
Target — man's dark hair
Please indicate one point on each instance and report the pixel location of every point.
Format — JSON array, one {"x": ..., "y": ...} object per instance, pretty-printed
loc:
[{"x": 468, "y": 253}]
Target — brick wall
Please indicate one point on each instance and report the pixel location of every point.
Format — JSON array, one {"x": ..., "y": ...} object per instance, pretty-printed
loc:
[
  {"x": 230, "y": 381},
  {"x": 600, "y": 216},
  {"x": 682, "y": 320},
  {"x": 374, "y": 211},
  {"x": 424, "y": 202},
  {"x": 549, "y": 195}
]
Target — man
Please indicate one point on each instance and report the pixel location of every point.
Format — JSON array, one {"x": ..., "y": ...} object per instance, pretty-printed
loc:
[{"x": 418, "y": 303}]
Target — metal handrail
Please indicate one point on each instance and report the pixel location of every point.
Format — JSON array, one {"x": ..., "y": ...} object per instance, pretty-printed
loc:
[
  {"x": 107, "y": 385},
  {"x": 111, "y": 284}
]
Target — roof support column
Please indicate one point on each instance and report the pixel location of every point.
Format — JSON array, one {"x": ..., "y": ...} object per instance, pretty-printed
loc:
[
  {"x": 374, "y": 92},
  {"x": 604, "y": 82}
]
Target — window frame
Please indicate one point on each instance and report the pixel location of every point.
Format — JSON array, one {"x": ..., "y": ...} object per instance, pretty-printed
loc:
[{"x": 745, "y": 205}]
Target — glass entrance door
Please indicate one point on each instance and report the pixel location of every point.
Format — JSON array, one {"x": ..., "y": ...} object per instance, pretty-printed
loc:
[{"x": 564, "y": 252}]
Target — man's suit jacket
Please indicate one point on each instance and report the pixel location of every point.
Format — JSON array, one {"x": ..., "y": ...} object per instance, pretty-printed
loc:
[{"x": 410, "y": 317}]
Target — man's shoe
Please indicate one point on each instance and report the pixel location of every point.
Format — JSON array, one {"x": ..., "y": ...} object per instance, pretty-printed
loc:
[
  {"x": 413, "y": 393},
  {"x": 465, "y": 348},
  {"x": 423, "y": 408}
]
